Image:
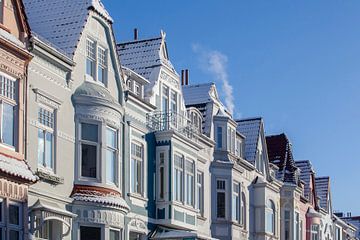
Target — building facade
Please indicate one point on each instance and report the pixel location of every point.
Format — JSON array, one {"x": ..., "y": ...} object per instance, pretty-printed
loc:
[
  {"x": 102, "y": 140},
  {"x": 15, "y": 174}
]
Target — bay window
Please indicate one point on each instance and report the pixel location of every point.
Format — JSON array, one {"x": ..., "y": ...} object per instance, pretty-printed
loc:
[
  {"x": 46, "y": 154},
  {"x": 137, "y": 161},
  {"x": 220, "y": 199},
  {"x": 189, "y": 182},
  {"x": 236, "y": 203},
  {"x": 179, "y": 176},
  {"x": 8, "y": 106},
  {"x": 270, "y": 217},
  {"x": 200, "y": 192},
  {"x": 114, "y": 234},
  {"x": 111, "y": 155},
  {"x": 89, "y": 142}
]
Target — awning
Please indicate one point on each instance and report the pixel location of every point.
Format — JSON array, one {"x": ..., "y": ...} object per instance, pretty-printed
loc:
[{"x": 43, "y": 211}]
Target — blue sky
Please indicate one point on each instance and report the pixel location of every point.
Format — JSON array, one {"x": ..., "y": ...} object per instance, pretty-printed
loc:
[{"x": 295, "y": 63}]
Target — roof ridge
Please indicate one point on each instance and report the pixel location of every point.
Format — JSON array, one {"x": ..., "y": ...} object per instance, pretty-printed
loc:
[
  {"x": 248, "y": 119},
  {"x": 198, "y": 85},
  {"x": 138, "y": 41}
]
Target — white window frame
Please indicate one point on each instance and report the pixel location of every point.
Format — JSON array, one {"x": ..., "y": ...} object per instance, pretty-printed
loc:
[
  {"x": 179, "y": 189},
  {"x": 51, "y": 130},
  {"x": 98, "y": 150},
  {"x": 189, "y": 199},
  {"x": 19, "y": 228},
  {"x": 119, "y": 232},
  {"x": 200, "y": 192},
  {"x": 142, "y": 162},
  {"x": 116, "y": 152},
  {"x": 162, "y": 182},
  {"x": 10, "y": 98},
  {"x": 287, "y": 223},
  {"x": 315, "y": 232},
  {"x": 235, "y": 202},
  {"x": 103, "y": 66},
  {"x": 270, "y": 209},
  {"x": 243, "y": 209},
  {"x": 297, "y": 226},
  {"x": 95, "y": 61},
  {"x": 219, "y": 137}
]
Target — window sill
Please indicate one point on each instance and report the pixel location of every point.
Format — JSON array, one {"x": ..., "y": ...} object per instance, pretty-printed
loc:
[
  {"x": 49, "y": 176},
  {"x": 137, "y": 196},
  {"x": 202, "y": 218}
]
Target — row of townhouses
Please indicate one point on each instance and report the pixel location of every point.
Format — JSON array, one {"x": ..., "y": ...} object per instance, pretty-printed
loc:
[{"x": 103, "y": 140}]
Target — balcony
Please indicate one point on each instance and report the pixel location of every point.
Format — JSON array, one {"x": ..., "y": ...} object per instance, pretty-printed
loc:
[{"x": 167, "y": 121}]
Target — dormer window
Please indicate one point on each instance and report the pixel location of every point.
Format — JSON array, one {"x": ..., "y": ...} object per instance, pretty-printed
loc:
[
  {"x": 239, "y": 151},
  {"x": 231, "y": 140},
  {"x": 96, "y": 61},
  {"x": 195, "y": 119}
]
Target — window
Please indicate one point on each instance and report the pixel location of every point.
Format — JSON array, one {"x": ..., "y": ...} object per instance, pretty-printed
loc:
[
  {"x": 165, "y": 99},
  {"x": 220, "y": 199},
  {"x": 102, "y": 65},
  {"x": 2, "y": 222},
  {"x": 90, "y": 57},
  {"x": 219, "y": 137},
  {"x": 162, "y": 175},
  {"x": 137, "y": 159},
  {"x": 179, "y": 176},
  {"x": 8, "y": 104},
  {"x": 236, "y": 202},
  {"x": 337, "y": 233},
  {"x": 114, "y": 234},
  {"x": 45, "y": 232},
  {"x": 287, "y": 224},
  {"x": 270, "y": 217},
  {"x": 46, "y": 119},
  {"x": 137, "y": 89},
  {"x": 229, "y": 139},
  {"x": 200, "y": 192},
  {"x": 111, "y": 155},
  {"x": 90, "y": 233},
  {"x": 301, "y": 229},
  {"x": 15, "y": 221},
  {"x": 297, "y": 226},
  {"x": 189, "y": 182},
  {"x": 243, "y": 209},
  {"x": 314, "y": 232},
  {"x": 238, "y": 147},
  {"x": 89, "y": 150}
]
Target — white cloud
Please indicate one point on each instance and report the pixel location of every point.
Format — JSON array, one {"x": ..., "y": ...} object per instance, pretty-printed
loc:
[{"x": 215, "y": 62}]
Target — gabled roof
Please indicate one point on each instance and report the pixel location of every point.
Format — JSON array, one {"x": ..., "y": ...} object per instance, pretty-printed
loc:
[
  {"x": 142, "y": 56},
  {"x": 250, "y": 128},
  {"x": 61, "y": 22},
  {"x": 198, "y": 94},
  {"x": 280, "y": 154},
  {"x": 306, "y": 172},
  {"x": 322, "y": 185}
]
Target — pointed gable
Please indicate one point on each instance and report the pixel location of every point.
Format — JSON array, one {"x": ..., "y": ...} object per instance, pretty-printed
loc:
[
  {"x": 280, "y": 154},
  {"x": 306, "y": 174},
  {"x": 322, "y": 185},
  {"x": 251, "y": 129},
  {"x": 14, "y": 20},
  {"x": 61, "y": 22},
  {"x": 143, "y": 56}
]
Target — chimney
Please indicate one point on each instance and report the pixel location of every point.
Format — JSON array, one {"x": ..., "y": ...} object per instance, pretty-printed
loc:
[
  {"x": 136, "y": 33},
  {"x": 182, "y": 77},
  {"x": 187, "y": 77}
]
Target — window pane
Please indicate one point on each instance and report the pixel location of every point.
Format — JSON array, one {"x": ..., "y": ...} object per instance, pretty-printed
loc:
[
  {"x": 90, "y": 233},
  {"x": 133, "y": 175},
  {"x": 14, "y": 212},
  {"x": 8, "y": 124},
  {"x": 114, "y": 235},
  {"x": 89, "y": 132},
  {"x": 41, "y": 147},
  {"x": 88, "y": 160},
  {"x": 111, "y": 166},
  {"x": 220, "y": 205},
  {"x": 162, "y": 182},
  {"x": 101, "y": 74},
  {"x": 138, "y": 177},
  {"x": 49, "y": 150},
  {"x": 14, "y": 235},
  {"x": 219, "y": 137},
  {"x": 89, "y": 67},
  {"x": 111, "y": 138}
]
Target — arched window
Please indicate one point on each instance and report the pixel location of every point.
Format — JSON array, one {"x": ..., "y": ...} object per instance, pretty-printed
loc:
[
  {"x": 196, "y": 119},
  {"x": 270, "y": 217},
  {"x": 243, "y": 210}
]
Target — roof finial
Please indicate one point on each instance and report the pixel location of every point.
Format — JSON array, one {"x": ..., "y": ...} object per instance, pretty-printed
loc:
[{"x": 162, "y": 33}]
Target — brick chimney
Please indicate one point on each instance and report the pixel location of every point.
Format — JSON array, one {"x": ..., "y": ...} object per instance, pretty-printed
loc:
[{"x": 136, "y": 33}]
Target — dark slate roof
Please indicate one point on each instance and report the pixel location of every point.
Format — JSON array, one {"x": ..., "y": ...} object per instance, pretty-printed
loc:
[
  {"x": 280, "y": 154},
  {"x": 61, "y": 22},
  {"x": 250, "y": 128},
  {"x": 322, "y": 185},
  {"x": 142, "y": 56},
  {"x": 306, "y": 171},
  {"x": 197, "y": 94}
]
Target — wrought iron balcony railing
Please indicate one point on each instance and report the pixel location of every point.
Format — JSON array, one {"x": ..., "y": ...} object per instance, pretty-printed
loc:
[{"x": 165, "y": 121}]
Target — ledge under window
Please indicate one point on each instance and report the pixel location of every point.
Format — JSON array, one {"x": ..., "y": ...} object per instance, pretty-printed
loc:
[{"x": 48, "y": 176}]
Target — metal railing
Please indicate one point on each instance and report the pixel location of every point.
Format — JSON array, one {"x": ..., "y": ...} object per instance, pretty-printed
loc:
[{"x": 165, "y": 121}]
